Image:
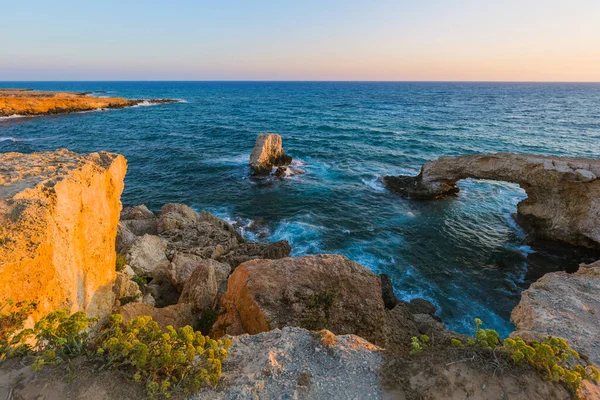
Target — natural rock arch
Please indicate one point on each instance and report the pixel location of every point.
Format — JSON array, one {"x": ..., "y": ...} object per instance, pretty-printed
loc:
[{"x": 563, "y": 193}]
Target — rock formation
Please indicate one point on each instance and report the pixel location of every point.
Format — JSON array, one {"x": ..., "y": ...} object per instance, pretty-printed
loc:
[
  {"x": 268, "y": 153},
  {"x": 563, "y": 305},
  {"x": 33, "y": 102},
  {"x": 316, "y": 292},
  {"x": 58, "y": 219},
  {"x": 563, "y": 193}
]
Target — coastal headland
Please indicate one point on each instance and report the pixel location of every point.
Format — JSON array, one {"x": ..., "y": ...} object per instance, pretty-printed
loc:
[{"x": 27, "y": 102}]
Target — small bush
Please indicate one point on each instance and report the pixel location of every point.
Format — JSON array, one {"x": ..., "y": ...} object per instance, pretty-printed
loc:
[
  {"x": 181, "y": 360},
  {"x": 487, "y": 338},
  {"x": 140, "y": 280},
  {"x": 418, "y": 344},
  {"x": 12, "y": 320},
  {"x": 456, "y": 343},
  {"x": 551, "y": 357},
  {"x": 120, "y": 263}
]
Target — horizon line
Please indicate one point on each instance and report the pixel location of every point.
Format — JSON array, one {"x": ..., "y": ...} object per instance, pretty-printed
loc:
[{"x": 298, "y": 81}]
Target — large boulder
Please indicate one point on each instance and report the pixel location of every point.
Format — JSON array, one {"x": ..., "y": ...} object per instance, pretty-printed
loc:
[
  {"x": 563, "y": 193},
  {"x": 147, "y": 254},
  {"x": 177, "y": 315},
  {"x": 250, "y": 250},
  {"x": 58, "y": 220},
  {"x": 316, "y": 292},
  {"x": 268, "y": 153},
  {"x": 203, "y": 235},
  {"x": 202, "y": 287},
  {"x": 563, "y": 305}
]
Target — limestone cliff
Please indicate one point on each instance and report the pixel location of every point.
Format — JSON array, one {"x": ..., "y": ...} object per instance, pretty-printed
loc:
[
  {"x": 58, "y": 221},
  {"x": 563, "y": 305},
  {"x": 563, "y": 193}
]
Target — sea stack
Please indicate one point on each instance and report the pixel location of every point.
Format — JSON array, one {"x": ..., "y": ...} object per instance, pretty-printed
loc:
[{"x": 268, "y": 153}]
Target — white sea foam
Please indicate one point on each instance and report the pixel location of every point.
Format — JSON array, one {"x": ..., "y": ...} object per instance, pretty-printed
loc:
[
  {"x": 374, "y": 183},
  {"x": 13, "y": 117},
  {"x": 9, "y": 138}
]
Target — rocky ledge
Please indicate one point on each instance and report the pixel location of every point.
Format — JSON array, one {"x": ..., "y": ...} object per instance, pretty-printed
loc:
[
  {"x": 563, "y": 193},
  {"x": 58, "y": 214},
  {"x": 26, "y": 102},
  {"x": 563, "y": 305}
]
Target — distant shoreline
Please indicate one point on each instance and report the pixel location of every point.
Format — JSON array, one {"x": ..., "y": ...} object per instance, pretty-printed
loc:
[{"x": 19, "y": 102}]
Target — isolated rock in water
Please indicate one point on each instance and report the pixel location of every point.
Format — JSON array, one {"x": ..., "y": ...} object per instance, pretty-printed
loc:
[
  {"x": 146, "y": 254},
  {"x": 268, "y": 153},
  {"x": 58, "y": 220},
  {"x": 563, "y": 305},
  {"x": 563, "y": 193},
  {"x": 250, "y": 250},
  {"x": 316, "y": 292},
  {"x": 178, "y": 315},
  {"x": 202, "y": 287}
]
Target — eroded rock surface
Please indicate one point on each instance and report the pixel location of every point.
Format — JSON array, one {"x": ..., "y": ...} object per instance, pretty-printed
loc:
[
  {"x": 268, "y": 153},
  {"x": 58, "y": 219},
  {"x": 202, "y": 288},
  {"x": 563, "y": 193},
  {"x": 316, "y": 292},
  {"x": 563, "y": 305}
]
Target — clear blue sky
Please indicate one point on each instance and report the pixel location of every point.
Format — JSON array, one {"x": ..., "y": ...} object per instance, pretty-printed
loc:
[{"x": 527, "y": 40}]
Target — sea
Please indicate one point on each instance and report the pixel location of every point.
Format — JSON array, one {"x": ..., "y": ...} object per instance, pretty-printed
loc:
[{"x": 465, "y": 254}]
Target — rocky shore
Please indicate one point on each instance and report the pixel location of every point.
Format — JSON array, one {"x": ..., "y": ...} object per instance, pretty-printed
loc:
[
  {"x": 27, "y": 102},
  {"x": 319, "y": 326}
]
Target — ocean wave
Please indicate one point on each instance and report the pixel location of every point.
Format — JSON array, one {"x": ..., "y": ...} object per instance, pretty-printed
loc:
[
  {"x": 14, "y": 116},
  {"x": 144, "y": 103},
  {"x": 374, "y": 183}
]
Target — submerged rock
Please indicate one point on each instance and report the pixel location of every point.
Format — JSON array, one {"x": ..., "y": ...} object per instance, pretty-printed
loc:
[
  {"x": 563, "y": 193},
  {"x": 563, "y": 305},
  {"x": 268, "y": 153},
  {"x": 316, "y": 292},
  {"x": 58, "y": 220}
]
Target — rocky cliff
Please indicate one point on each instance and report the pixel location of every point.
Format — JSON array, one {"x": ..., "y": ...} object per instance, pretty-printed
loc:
[
  {"x": 563, "y": 193},
  {"x": 32, "y": 102},
  {"x": 563, "y": 305},
  {"x": 58, "y": 220}
]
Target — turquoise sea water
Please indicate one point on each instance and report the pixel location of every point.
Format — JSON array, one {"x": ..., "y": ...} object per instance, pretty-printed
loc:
[{"x": 464, "y": 254}]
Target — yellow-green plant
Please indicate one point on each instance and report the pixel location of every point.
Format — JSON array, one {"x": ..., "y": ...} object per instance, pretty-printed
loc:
[
  {"x": 553, "y": 358},
  {"x": 175, "y": 360},
  {"x": 487, "y": 338},
  {"x": 120, "y": 263},
  {"x": 456, "y": 343},
  {"x": 12, "y": 320},
  {"x": 418, "y": 344},
  {"x": 60, "y": 335}
]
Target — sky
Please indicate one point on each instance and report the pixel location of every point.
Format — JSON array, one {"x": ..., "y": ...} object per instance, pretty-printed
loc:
[{"x": 381, "y": 40}]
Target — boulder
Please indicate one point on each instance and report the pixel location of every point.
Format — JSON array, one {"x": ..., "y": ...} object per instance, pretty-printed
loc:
[
  {"x": 125, "y": 288},
  {"x": 563, "y": 305},
  {"x": 387, "y": 292},
  {"x": 268, "y": 153},
  {"x": 125, "y": 238},
  {"x": 58, "y": 220},
  {"x": 250, "y": 250},
  {"x": 203, "y": 235},
  {"x": 178, "y": 315},
  {"x": 422, "y": 306},
  {"x": 181, "y": 268},
  {"x": 137, "y": 213},
  {"x": 146, "y": 254},
  {"x": 316, "y": 292},
  {"x": 202, "y": 288},
  {"x": 563, "y": 193}
]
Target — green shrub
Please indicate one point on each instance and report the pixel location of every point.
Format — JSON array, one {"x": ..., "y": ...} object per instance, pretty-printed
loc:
[
  {"x": 12, "y": 320},
  {"x": 140, "y": 280},
  {"x": 418, "y": 344},
  {"x": 487, "y": 338},
  {"x": 120, "y": 263},
  {"x": 181, "y": 360},
  {"x": 553, "y": 358},
  {"x": 456, "y": 343}
]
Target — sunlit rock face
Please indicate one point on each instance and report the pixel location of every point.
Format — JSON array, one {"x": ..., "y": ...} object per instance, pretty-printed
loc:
[
  {"x": 563, "y": 193},
  {"x": 315, "y": 292},
  {"x": 563, "y": 305},
  {"x": 268, "y": 153},
  {"x": 58, "y": 221}
]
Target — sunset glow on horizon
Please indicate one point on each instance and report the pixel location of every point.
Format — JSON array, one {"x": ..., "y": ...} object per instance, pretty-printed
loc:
[{"x": 311, "y": 40}]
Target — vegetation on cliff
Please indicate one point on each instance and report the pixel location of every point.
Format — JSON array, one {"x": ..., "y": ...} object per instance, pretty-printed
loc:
[{"x": 167, "y": 361}]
